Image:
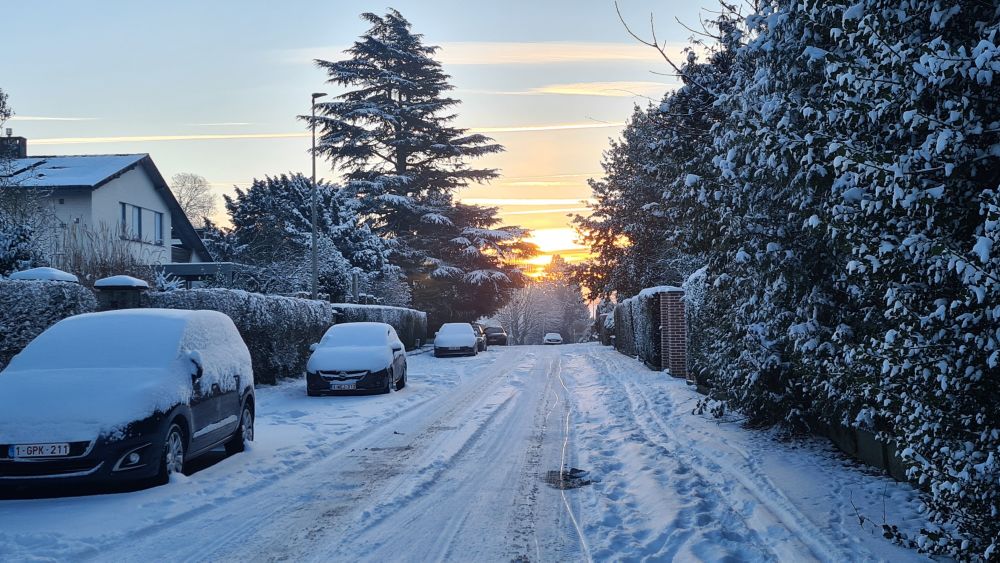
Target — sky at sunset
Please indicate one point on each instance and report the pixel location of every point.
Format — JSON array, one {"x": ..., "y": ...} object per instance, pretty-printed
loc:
[{"x": 214, "y": 87}]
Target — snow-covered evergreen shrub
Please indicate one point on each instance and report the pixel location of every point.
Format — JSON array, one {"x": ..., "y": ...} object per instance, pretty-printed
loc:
[
  {"x": 410, "y": 324},
  {"x": 277, "y": 330},
  {"x": 637, "y": 325},
  {"x": 836, "y": 165},
  {"x": 29, "y": 307}
]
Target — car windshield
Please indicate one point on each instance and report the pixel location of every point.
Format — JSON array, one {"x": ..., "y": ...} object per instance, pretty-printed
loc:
[
  {"x": 494, "y": 330},
  {"x": 102, "y": 340},
  {"x": 456, "y": 328},
  {"x": 356, "y": 334}
]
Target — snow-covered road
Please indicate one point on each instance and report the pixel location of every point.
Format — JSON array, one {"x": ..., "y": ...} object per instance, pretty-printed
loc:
[{"x": 464, "y": 465}]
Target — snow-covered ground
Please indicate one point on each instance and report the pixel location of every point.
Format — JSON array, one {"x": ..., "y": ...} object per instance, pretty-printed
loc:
[{"x": 453, "y": 467}]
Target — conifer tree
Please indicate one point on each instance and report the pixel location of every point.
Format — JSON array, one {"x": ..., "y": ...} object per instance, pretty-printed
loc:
[{"x": 390, "y": 136}]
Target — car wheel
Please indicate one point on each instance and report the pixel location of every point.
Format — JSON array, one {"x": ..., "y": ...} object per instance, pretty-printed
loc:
[
  {"x": 172, "y": 459},
  {"x": 402, "y": 380},
  {"x": 244, "y": 433}
]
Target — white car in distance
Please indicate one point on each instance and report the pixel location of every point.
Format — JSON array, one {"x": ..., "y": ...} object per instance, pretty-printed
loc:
[
  {"x": 456, "y": 339},
  {"x": 552, "y": 338}
]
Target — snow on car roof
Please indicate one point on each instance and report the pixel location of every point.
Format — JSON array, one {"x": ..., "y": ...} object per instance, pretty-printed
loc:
[
  {"x": 44, "y": 273},
  {"x": 356, "y": 334},
  {"x": 455, "y": 327},
  {"x": 126, "y": 338}
]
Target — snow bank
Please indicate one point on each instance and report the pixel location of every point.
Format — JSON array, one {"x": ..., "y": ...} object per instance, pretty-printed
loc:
[
  {"x": 277, "y": 330},
  {"x": 29, "y": 307},
  {"x": 121, "y": 281},
  {"x": 44, "y": 274},
  {"x": 410, "y": 324}
]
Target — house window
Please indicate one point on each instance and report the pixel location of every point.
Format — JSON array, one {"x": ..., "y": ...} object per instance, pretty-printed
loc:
[
  {"x": 136, "y": 222},
  {"x": 158, "y": 227},
  {"x": 124, "y": 220}
]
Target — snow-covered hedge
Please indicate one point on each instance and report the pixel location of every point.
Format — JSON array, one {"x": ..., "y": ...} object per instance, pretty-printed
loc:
[
  {"x": 636, "y": 325},
  {"x": 29, "y": 307},
  {"x": 410, "y": 324},
  {"x": 277, "y": 330}
]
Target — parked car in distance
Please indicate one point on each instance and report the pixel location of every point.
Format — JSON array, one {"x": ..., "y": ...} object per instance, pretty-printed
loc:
[
  {"x": 552, "y": 338},
  {"x": 356, "y": 358},
  {"x": 483, "y": 343},
  {"x": 124, "y": 396},
  {"x": 456, "y": 339},
  {"x": 496, "y": 335}
]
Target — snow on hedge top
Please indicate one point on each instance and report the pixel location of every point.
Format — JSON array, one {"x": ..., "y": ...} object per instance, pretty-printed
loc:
[
  {"x": 121, "y": 281},
  {"x": 70, "y": 171},
  {"x": 95, "y": 373},
  {"x": 650, "y": 291},
  {"x": 44, "y": 274}
]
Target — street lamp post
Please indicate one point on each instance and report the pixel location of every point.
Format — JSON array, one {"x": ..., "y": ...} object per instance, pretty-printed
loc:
[{"x": 315, "y": 256}]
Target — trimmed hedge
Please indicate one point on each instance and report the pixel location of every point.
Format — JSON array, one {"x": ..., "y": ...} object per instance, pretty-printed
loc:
[
  {"x": 410, "y": 324},
  {"x": 636, "y": 323},
  {"x": 277, "y": 330},
  {"x": 27, "y": 308}
]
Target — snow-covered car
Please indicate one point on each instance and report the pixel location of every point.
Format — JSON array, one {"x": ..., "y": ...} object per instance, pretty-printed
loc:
[
  {"x": 456, "y": 339},
  {"x": 552, "y": 338},
  {"x": 124, "y": 396},
  {"x": 496, "y": 335},
  {"x": 483, "y": 343},
  {"x": 356, "y": 358}
]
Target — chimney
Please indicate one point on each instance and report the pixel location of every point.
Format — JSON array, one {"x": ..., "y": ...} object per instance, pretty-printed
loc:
[{"x": 13, "y": 147}]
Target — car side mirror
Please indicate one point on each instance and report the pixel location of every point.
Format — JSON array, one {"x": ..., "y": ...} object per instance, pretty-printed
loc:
[
  {"x": 397, "y": 347},
  {"x": 195, "y": 358},
  {"x": 313, "y": 347}
]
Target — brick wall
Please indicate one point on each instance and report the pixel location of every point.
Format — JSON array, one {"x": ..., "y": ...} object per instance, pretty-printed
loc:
[{"x": 673, "y": 334}]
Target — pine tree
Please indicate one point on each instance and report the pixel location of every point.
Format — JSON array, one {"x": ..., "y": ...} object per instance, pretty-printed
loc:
[
  {"x": 272, "y": 230},
  {"x": 391, "y": 138}
]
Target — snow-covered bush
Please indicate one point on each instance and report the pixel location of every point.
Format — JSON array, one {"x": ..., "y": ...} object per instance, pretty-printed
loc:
[
  {"x": 836, "y": 166},
  {"x": 277, "y": 330},
  {"x": 410, "y": 324},
  {"x": 636, "y": 323},
  {"x": 27, "y": 308}
]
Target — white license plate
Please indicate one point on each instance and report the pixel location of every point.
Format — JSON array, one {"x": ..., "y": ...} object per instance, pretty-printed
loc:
[
  {"x": 38, "y": 450},
  {"x": 341, "y": 386}
]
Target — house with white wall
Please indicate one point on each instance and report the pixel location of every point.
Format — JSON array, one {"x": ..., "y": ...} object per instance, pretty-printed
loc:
[{"x": 118, "y": 200}]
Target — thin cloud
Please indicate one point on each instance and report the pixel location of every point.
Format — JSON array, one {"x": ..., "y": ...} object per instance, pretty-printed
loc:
[
  {"x": 221, "y": 124},
  {"x": 231, "y": 136},
  {"x": 544, "y": 211},
  {"x": 512, "y": 53},
  {"x": 510, "y": 202},
  {"x": 554, "y": 127},
  {"x": 158, "y": 138},
  {"x": 50, "y": 118},
  {"x": 623, "y": 89},
  {"x": 606, "y": 89}
]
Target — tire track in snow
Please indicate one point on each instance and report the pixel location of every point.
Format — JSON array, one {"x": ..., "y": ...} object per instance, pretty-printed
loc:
[
  {"x": 318, "y": 502},
  {"x": 562, "y": 464},
  {"x": 748, "y": 478}
]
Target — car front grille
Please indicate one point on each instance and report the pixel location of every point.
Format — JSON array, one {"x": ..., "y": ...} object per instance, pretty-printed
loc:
[{"x": 342, "y": 375}]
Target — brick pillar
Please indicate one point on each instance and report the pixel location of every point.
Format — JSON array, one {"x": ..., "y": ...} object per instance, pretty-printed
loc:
[{"x": 673, "y": 333}]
